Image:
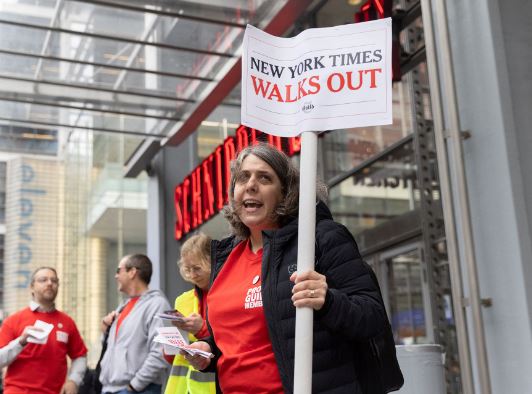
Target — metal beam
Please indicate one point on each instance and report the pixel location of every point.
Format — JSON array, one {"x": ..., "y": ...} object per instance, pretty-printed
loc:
[
  {"x": 121, "y": 77},
  {"x": 104, "y": 65},
  {"x": 448, "y": 204},
  {"x": 334, "y": 181},
  {"x": 135, "y": 52},
  {"x": 97, "y": 89},
  {"x": 22, "y": 93},
  {"x": 116, "y": 38},
  {"x": 73, "y": 107},
  {"x": 81, "y": 52},
  {"x": 405, "y": 18},
  {"x": 135, "y": 165},
  {"x": 458, "y": 176},
  {"x": 48, "y": 125},
  {"x": 57, "y": 11},
  {"x": 413, "y": 60},
  {"x": 127, "y": 6}
]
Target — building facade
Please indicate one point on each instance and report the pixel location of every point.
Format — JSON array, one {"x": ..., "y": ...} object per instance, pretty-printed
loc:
[
  {"x": 444, "y": 223},
  {"x": 142, "y": 100}
]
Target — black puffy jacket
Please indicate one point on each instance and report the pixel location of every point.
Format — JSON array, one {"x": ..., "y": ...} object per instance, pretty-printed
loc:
[{"x": 352, "y": 310}]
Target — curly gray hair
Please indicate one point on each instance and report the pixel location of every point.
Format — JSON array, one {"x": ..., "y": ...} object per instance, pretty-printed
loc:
[{"x": 288, "y": 175}]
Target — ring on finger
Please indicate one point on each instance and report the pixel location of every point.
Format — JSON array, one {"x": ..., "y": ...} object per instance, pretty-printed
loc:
[{"x": 312, "y": 292}]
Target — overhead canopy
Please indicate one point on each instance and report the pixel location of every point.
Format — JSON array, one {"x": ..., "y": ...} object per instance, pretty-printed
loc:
[{"x": 150, "y": 68}]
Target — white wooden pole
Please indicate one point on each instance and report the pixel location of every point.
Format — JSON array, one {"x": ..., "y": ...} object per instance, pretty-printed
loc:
[{"x": 305, "y": 260}]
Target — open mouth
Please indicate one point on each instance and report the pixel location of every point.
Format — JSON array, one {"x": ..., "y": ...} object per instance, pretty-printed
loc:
[{"x": 251, "y": 204}]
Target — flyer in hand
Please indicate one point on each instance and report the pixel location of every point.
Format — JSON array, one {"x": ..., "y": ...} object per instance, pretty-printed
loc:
[
  {"x": 40, "y": 337},
  {"x": 170, "y": 317},
  {"x": 170, "y": 336}
]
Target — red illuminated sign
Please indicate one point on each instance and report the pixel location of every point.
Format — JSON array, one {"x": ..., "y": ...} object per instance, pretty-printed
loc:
[
  {"x": 378, "y": 9},
  {"x": 374, "y": 9},
  {"x": 203, "y": 192}
]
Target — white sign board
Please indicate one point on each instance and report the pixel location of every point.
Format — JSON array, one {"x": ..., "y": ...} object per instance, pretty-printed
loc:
[{"x": 323, "y": 79}]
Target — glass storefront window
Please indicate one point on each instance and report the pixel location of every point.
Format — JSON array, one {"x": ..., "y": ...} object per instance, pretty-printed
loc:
[
  {"x": 220, "y": 124},
  {"x": 345, "y": 149},
  {"x": 376, "y": 194},
  {"x": 406, "y": 305}
]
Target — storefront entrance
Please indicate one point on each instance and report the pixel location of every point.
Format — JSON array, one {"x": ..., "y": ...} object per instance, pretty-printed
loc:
[{"x": 406, "y": 293}]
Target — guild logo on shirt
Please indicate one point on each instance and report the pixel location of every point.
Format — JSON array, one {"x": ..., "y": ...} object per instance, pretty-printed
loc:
[
  {"x": 253, "y": 298},
  {"x": 62, "y": 336}
]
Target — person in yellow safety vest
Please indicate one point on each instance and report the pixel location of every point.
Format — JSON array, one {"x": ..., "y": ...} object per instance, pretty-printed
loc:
[{"x": 194, "y": 267}]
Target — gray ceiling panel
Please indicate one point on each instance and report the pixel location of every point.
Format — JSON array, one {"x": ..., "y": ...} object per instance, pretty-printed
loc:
[{"x": 117, "y": 66}]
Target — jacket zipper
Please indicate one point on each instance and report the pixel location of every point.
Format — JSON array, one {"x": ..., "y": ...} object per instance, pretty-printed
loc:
[{"x": 274, "y": 312}]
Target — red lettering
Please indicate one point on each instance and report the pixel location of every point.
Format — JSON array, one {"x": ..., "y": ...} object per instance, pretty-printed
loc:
[
  {"x": 219, "y": 177},
  {"x": 288, "y": 91},
  {"x": 377, "y": 9},
  {"x": 207, "y": 189},
  {"x": 271, "y": 91},
  {"x": 276, "y": 93},
  {"x": 254, "y": 137},
  {"x": 294, "y": 145},
  {"x": 184, "y": 204},
  {"x": 260, "y": 88},
  {"x": 372, "y": 71},
  {"x": 242, "y": 137},
  {"x": 178, "y": 229},
  {"x": 350, "y": 80},
  {"x": 366, "y": 13},
  {"x": 341, "y": 81},
  {"x": 300, "y": 91},
  {"x": 229, "y": 154},
  {"x": 313, "y": 82},
  {"x": 275, "y": 141},
  {"x": 197, "y": 218},
  {"x": 374, "y": 9}
]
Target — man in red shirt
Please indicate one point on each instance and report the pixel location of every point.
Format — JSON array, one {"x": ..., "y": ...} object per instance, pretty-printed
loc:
[{"x": 38, "y": 365}]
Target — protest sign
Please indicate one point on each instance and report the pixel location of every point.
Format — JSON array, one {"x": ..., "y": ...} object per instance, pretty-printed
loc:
[{"x": 322, "y": 79}]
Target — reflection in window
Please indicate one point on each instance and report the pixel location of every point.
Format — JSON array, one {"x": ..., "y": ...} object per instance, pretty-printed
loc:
[
  {"x": 406, "y": 299},
  {"x": 345, "y": 149},
  {"x": 378, "y": 192},
  {"x": 220, "y": 124},
  {"x": 26, "y": 139}
]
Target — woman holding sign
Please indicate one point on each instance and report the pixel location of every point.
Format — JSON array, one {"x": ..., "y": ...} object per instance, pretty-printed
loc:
[
  {"x": 255, "y": 288},
  {"x": 194, "y": 267}
]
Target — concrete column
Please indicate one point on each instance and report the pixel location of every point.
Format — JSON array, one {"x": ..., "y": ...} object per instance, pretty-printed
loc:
[
  {"x": 491, "y": 54},
  {"x": 168, "y": 169}
]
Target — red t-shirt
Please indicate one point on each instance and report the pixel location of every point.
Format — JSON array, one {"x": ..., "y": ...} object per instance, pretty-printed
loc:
[
  {"x": 41, "y": 368},
  {"x": 236, "y": 315},
  {"x": 202, "y": 304},
  {"x": 123, "y": 314}
]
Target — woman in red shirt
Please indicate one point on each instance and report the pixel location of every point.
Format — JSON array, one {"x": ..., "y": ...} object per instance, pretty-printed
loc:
[{"x": 255, "y": 289}]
